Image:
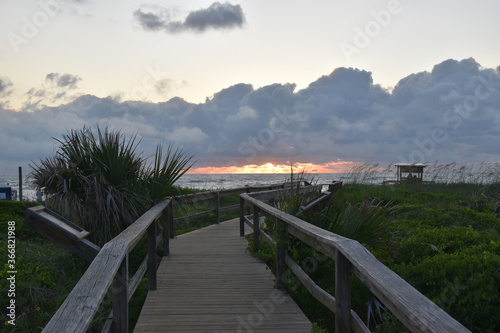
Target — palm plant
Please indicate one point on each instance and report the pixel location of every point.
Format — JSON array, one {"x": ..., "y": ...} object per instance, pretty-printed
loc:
[
  {"x": 102, "y": 183},
  {"x": 161, "y": 176},
  {"x": 367, "y": 222}
]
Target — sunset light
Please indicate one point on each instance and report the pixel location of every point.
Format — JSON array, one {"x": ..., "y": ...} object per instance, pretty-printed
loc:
[
  {"x": 362, "y": 135},
  {"x": 330, "y": 167}
]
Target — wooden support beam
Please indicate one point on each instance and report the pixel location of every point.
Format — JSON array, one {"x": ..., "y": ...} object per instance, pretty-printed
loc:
[
  {"x": 217, "y": 208},
  {"x": 61, "y": 231},
  {"x": 152, "y": 256},
  {"x": 242, "y": 217},
  {"x": 342, "y": 293},
  {"x": 165, "y": 218},
  {"x": 256, "y": 227},
  {"x": 120, "y": 298},
  {"x": 170, "y": 215},
  {"x": 281, "y": 246}
]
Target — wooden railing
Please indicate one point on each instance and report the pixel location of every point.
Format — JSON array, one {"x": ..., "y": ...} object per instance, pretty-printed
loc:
[
  {"x": 110, "y": 266},
  {"x": 413, "y": 309},
  {"x": 215, "y": 197}
]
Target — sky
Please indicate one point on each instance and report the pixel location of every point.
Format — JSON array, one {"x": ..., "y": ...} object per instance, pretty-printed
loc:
[{"x": 255, "y": 86}]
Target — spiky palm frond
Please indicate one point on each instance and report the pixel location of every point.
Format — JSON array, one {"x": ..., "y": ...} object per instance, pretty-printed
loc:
[
  {"x": 367, "y": 222},
  {"x": 165, "y": 171},
  {"x": 101, "y": 182}
]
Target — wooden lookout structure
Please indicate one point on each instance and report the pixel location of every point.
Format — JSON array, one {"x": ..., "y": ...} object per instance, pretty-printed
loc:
[{"x": 410, "y": 172}]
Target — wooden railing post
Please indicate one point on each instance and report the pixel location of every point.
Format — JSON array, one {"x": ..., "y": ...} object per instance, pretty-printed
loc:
[
  {"x": 171, "y": 219},
  {"x": 342, "y": 293},
  {"x": 335, "y": 187},
  {"x": 256, "y": 228},
  {"x": 242, "y": 217},
  {"x": 20, "y": 184},
  {"x": 152, "y": 256},
  {"x": 217, "y": 208},
  {"x": 281, "y": 245},
  {"x": 165, "y": 230},
  {"x": 120, "y": 298},
  {"x": 248, "y": 190}
]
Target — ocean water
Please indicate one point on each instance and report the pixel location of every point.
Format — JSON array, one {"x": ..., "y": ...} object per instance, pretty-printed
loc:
[
  {"x": 474, "y": 174},
  {"x": 225, "y": 181},
  {"x": 221, "y": 181},
  {"x": 29, "y": 192}
]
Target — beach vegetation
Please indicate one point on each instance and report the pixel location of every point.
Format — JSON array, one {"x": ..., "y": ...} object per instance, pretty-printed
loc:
[
  {"x": 99, "y": 180},
  {"x": 45, "y": 274},
  {"x": 441, "y": 237}
]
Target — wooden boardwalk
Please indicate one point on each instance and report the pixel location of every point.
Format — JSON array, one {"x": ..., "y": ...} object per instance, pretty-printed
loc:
[{"x": 209, "y": 283}]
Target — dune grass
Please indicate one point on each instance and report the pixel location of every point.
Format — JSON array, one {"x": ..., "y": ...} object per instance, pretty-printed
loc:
[
  {"x": 442, "y": 237},
  {"x": 45, "y": 274},
  {"x": 484, "y": 173}
]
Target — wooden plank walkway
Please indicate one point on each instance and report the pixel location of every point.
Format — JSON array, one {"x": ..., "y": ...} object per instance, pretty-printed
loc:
[{"x": 209, "y": 283}]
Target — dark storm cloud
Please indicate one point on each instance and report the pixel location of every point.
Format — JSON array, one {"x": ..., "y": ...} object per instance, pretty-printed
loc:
[
  {"x": 36, "y": 93},
  {"x": 68, "y": 81},
  {"x": 5, "y": 86},
  {"x": 451, "y": 113},
  {"x": 5, "y": 91},
  {"x": 150, "y": 21},
  {"x": 216, "y": 16},
  {"x": 57, "y": 88}
]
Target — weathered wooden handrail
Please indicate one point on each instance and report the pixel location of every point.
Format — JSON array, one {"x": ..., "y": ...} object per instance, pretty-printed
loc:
[
  {"x": 61, "y": 231},
  {"x": 110, "y": 266},
  {"x": 412, "y": 308}
]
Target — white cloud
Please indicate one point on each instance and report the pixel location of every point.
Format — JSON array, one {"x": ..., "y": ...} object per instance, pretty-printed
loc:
[
  {"x": 245, "y": 112},
  {"x": 449, "y": 113},
  {"x": 184, "y": 134}
]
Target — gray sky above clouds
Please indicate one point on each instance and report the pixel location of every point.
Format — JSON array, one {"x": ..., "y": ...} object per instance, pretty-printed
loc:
[{"x": 253, "y": 82}]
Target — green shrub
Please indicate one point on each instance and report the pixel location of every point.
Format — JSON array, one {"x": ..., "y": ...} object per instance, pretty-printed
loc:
[
  {"x": 447, "y": 246},
  {"x": 45, "y": 273},
  {"x": 426, "y": 243},
  {"x": 465, "y": 283}
]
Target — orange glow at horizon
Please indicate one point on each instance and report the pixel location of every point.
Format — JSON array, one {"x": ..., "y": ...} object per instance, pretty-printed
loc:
[{"x": 330, "y": 167}]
